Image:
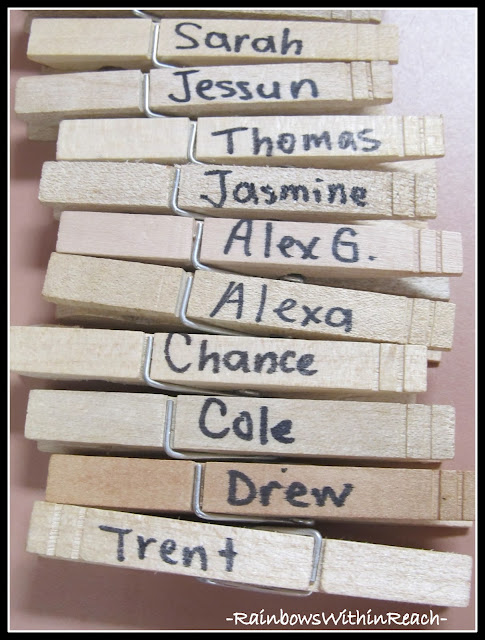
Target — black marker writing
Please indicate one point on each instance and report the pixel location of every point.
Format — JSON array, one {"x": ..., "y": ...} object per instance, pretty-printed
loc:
[
  {"x": 250, "y": 193},
  {"x": 167, "y": 550},
  {"x": 240, "y": 360},
  {"x": 229, "y": 554},
  {"x": 242, "y": 490},
  {"x": 245, "y": 425},
  {"x": 282, "y": 44},
  {"x": 121, "y": 533},
  {"x": 337, "y": 243},
  {"x": 290, "y": 143},
  {"x": 232, "y": 288},
  {"x": 289, "y": 310},
  {"x": 243, "y": 90},
  {"x": 288, "y": 246},
  {"x": 245, "y": 238}
]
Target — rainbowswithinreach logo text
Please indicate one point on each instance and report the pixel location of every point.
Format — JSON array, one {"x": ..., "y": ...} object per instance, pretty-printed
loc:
[{"x": 345, "y": 617}]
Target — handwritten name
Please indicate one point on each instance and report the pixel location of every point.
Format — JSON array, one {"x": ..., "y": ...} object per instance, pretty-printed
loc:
[
  {"x": 249, "y": 193},
  {"x": 343, "y": 247},
  {"x": 289, "y": 310},
  {"x": 268, "y": 362},
  {"x": 242, "y": 491},
  {"x": 194, "y": 38},
  {"x": 168, "y": 550},
  {"x": 288, "y": 143},
  {"x": 243, "y": 90},
  {"x": 245, "y": 426}
]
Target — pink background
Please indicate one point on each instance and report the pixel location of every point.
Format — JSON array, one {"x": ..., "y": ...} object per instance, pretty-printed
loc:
[{"x": 436, "y": 75}]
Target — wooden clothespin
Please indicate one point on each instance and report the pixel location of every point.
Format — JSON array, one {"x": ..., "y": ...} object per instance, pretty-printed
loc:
[
  {"x": 207, "y": 427},
  {"x": 297, "y": 88},
  {"x": 214, "y": 490},
  {"x": 293, "y": 561},
  {"x": 282, "y": 193},
  {"x": 315, "y": 250},
  {"x": 88, "y": 44},
  {"x": 276, "y": 249},
  {"x": 315, "y": 141},
  {"x": 191, "y": 362},
  {"x": 120, "y": 293},
  {"x": 330, "y": 15}
]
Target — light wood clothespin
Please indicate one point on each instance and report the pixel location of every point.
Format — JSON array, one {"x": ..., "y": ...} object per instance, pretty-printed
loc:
[
  {"x": 318, "y": 249},
  {"x": 331, "y": 15},
  {"x": 88, "y": 44},
  {"x": 252, "y": 490},
  {"x": 296, "y": 561},
  {"x": 199, "y": 363},
  {"x": 298, "y": 141},
  {"x": 311, "y": 251},
  {"x": 297, "y": 88},
  {"x": 212, "y": 427},
  {"x": 119, "y": 293},
  {"x": 313, "y": 195}
]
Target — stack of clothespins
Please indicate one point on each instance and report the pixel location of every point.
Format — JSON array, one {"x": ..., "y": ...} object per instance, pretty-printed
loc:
[{"x": 243, "y": 250}]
